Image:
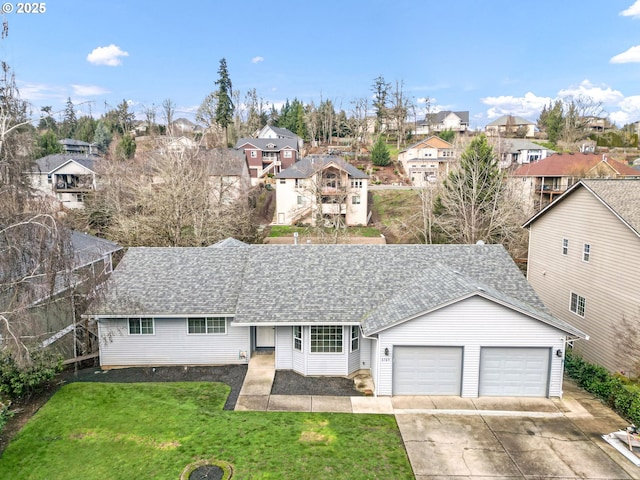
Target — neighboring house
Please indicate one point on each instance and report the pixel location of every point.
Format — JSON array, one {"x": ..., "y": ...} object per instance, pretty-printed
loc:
[
  {"x": 425, "y": 161},
  {"x": 58, "y": 312},
  {"x": 541, "y": 182},
  {"x": 269, "y": 131},
  {"x": 228, "y": 173},
  {"x": 322, "y": 187},
  {"x": 511, "y": 126},
  {"x": 78, "y": 147},
  {"x": 267, "y": 156},
  {"x": 518, "y": 151},
  {"x": 67, "y": 178},
  {"x": 584, "y": 263},
  {"x": 597, "y": 124},
  {"x": 179, "y": 145},
  {"x": 441, "y": 121},
  {"x": 182, "y": 126},
  {"x": 422, "y": 319}
]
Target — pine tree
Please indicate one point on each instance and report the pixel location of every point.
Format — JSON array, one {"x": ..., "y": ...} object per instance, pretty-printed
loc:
[
  {"x": 69, "y": 120},
  {"x": 224, "y": 107},
  {"x": 380, "y": 155}
]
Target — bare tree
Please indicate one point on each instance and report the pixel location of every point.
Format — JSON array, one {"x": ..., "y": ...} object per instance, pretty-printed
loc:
[
  {"x": 150, "y": 117},
  {"x": 173, "y": 199},
  {"x": 399, "y": 111},
  {"x": 168, "y": 112},
  {"x": 359, "y": 123}
]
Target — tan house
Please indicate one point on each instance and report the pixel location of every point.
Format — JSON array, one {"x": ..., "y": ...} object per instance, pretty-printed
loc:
[
  {"x": 584, "y": 263},
  {"x": 327, "y": 188},
  {"x": 425, "y": 161},
  {"x": 511, "y": 126},
  {"x": 541, "y": 182},
  {"x": 442, "y": 121}
]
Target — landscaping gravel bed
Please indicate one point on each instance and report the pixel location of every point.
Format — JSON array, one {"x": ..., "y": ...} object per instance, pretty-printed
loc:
[
  {"x": 232, "y": 375},
  {"x": 287, "y": 382}
]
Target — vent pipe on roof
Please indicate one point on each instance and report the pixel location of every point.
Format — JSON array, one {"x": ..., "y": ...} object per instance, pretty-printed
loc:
[
  {"x": 295, "y": 238},
  {"x": 604, "y": 157}
]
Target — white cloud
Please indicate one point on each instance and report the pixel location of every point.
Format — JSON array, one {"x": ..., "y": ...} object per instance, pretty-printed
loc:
[
  {"x": 109, "y": 55},
  {"x": 630, "y": 56},
  {"x": 257, "y": 59},
  {"x": 603, "y": 94},
  {"x": 88, "y": 90},
  {"x": 528, "y": 106},
  {"x": 629, "y": 111},
  {"x": 632, "y": 11},
  {"x": 39, "y": 92}
]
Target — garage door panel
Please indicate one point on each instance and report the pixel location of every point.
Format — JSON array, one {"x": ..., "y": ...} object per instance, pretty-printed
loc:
[
  {"x": 514, "y": 372},
  {"x": 427, "y": 370}
]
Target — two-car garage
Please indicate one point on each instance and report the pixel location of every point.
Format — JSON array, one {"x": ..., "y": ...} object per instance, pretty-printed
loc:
[{"x": 503, "y": 371}]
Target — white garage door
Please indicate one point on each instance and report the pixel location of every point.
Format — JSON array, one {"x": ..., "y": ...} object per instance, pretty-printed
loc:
[
  {"x": 427, "y": 370},
  {"x": 514, "y": 372}
]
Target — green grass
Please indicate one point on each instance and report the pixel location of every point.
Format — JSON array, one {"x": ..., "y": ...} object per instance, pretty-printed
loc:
[
  {"x": 391, "y": 205},
  {"x": 286, "y": 230},
  {"x": 152, "y": 431}
]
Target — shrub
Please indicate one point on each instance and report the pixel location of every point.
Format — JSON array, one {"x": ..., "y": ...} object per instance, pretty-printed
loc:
[
  {"x": 615, "y": 391},
  {"x": 17, "y": 381},
  {"x": 5, "y": 413}
]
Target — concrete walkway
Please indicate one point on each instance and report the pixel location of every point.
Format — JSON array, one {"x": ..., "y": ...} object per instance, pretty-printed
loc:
[{"x": 256, "y": 395}]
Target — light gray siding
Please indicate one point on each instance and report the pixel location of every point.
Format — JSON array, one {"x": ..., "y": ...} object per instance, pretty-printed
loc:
[
  {"x": 365, "y": 353},
  {"x": 327, "y": 364},
  {"x": 473, "y": 323},
  {"x": 608, "y": 281},
  {"x": 170, "y": 345},
  {"x": 354, "y": 357},
  {"x": 284, "y": 348}
]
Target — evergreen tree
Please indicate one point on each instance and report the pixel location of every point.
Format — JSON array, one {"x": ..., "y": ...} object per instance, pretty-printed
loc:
[
  {"x": 381, "y": 91},
  {"x": 86, "y": 129},
  {"x": 47, "y": 144},
  {"x": 380, "y": 155},
  {"x": 224, "y": 107},
  {"x": 102, "y": 137},
  {"x": 47, "y": 122},
  {"x": 69, "y": 121},
  {"x": 551, "y": 120},
  {"x": 126, "y": 148}
]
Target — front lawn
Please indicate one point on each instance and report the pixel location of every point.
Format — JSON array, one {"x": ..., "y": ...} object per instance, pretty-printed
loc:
[{"x": 152, "y": 430}]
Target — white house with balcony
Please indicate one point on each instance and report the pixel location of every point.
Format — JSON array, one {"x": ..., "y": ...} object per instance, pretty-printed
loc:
[
  {"x": 322, "y": 189},
  {"x": 67, "y": 178}
]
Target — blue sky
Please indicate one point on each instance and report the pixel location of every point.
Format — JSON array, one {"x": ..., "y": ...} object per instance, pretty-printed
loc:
[{"x": 489, "y": 57}]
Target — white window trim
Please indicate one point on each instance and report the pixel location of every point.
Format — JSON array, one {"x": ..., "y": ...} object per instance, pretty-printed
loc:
[
  {"x": 139, "y": 319},
  {"x": 577, "y": 309},
  {"x": 341, "y": 352},
  {"x": 300, "y": 338},
  {"x": 586, "y": 252},
  {"x": 565, "y": 246},
  {"x": 356, "y": 329},
  {"x": 206, "y": 326}
]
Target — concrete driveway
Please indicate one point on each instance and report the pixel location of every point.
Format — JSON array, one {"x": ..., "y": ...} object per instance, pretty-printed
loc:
[
  {"x": 541, "y": 442},
  {"x": 507, "y": 447}
]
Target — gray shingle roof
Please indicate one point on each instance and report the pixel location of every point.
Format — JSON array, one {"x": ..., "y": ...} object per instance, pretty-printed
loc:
[
  {"x": 308, "y": 166},
  {"x": 174, "y": 281},
  {"x": 88, "y": 249},
  {"x": 262, "y": 143},
  {"x": 374, "y": 285},
  {"x": 52, "y": 162},
  {"x": 510, "y": 120},
  {"x": 440, "y": 116}
]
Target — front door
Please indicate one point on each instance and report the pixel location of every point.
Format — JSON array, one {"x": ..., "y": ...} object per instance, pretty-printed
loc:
[{"x": 265, "y": 337}]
